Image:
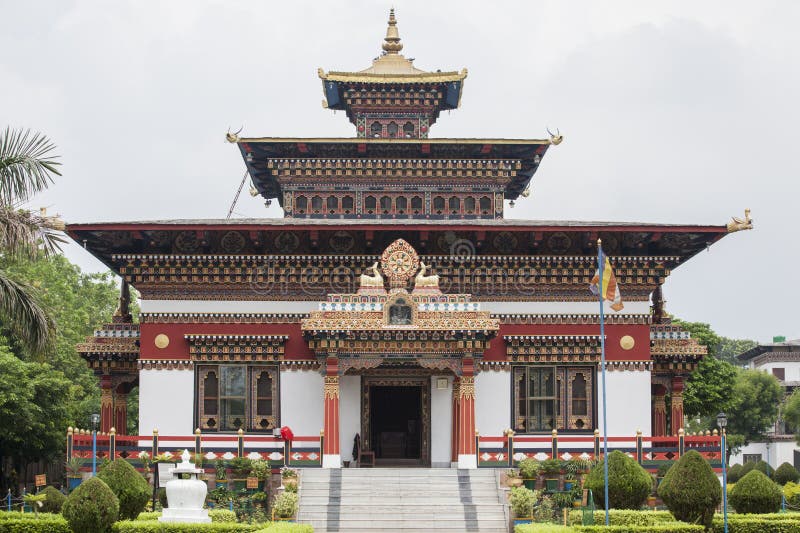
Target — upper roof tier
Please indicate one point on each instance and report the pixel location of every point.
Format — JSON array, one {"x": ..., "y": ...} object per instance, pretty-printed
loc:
[{"x": 392, "y": 98}]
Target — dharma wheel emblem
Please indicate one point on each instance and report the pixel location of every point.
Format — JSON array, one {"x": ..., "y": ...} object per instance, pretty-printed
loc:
[{"x": 399, "y": 263}]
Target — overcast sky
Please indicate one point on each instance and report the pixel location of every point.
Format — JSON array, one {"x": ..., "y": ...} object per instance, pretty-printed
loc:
[{"x": 675, "y": 112}]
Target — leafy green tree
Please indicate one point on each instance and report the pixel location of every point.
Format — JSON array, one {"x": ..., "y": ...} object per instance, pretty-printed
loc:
[
  {"x": 728, "y": 349},
  {"x": 27, "y": 166},
  {"x": 758, "y": 395},
  {"x": 709, "y": 389},
  {"x": 34, "y": 408},
  {"x": 628, "y": 483},
  {"x": 791, "y": 413}
]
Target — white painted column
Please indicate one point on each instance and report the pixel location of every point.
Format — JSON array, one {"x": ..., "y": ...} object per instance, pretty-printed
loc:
[
  {"x": 349, "y": 414},
  {"x": 441, "y": 421}
]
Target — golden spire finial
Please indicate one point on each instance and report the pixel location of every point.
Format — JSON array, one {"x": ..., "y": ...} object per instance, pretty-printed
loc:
[{"x": 392, "y": 44}]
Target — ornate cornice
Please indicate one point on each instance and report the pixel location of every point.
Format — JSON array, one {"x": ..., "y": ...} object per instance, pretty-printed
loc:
[
  {"x": 224, "y": 348},
  {"x": 165, "y": 364},
  {"x": 221, "y": 318},
  {"x": 553, "y": 348}
]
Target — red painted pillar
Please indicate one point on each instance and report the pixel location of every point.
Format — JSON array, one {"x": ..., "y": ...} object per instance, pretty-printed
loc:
[
  {"x": 676, "y": 416},
  {"x": 106, "y": 404},
  {"x": 454, "y": 433},
  {"x": 659, "y": 411},
  {"x": 331, "y": 457},
  {"x": 121, "y": 409},
  {"x": 466, "y": 418}
]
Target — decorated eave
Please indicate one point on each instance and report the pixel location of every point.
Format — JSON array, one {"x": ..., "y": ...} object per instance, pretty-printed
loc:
[
  {"x": 118, "y": 243},
  {"x": 236, "y": 348},
  {"x": 113, "y": 348},
  {"x": 259, "y": 152},
  {"x": 553, "y": 348}
]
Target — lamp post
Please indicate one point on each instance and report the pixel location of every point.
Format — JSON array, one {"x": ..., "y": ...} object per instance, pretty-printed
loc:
[
  {"x": 722, "y": 421},
  {"x": 95, "y": 421}
]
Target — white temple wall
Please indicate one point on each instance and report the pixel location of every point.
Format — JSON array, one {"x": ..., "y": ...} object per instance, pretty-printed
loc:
[
  {"x": 775, "y": 453},
  {"x": 441, "y": 422},
  {"x": 301, "y": 401},
  {"x": 349, "y": 414},
  {"x": 791, "y": 369},
  {"x": 166, "y": 402},
  {"x": 628, "y": 402},
  {"x": 492, "y": 402}
]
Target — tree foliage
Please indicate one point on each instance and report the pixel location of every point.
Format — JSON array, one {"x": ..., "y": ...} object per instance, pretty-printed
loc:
[
  {"x": 758, "y": 395},
  {"x": 791, "y": 413},
  {"x": 27, "y": 166},
  {"x": 756, "y": 493},
  {"x": 786, "y": 473},
  {"x": 128, "y": 485},
  {"x": 91, "y": 508},
  {"x": 709, "y": 389}
]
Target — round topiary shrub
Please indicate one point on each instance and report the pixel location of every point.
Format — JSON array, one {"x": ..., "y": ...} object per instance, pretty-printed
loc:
[
  {"x": 628, "y": 483},
  {"x": 91, "y": 508},
  {"x": 55, "y": 500},
  {"x": 691, "y": 490},
  {"x": 128, "y": 485},
  {"x": 786, "y": 473},
  {"x": 734, "y": 473},
  {"x": 764, "y": 468},
  {"x": 747, "y": 468},
  {"x": 755, "y": 493}
]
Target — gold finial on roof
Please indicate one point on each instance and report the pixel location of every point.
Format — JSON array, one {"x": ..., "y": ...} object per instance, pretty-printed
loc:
[{"x": 392, "y": 44}]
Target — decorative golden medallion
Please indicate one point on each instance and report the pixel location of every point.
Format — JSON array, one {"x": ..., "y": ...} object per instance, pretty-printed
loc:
[
  {"x": 161, "y": 341},
  {"x": 627, "y": 342},
  {"x": 399, "y": 263}
]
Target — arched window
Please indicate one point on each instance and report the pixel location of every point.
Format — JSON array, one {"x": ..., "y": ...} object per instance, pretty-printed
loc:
[
  {"x": 300, "y": 204},
  {"x": 392, "y": 129},
  {"x": 579, "y": 399},
  {"x": 402, "y": 204},
  {"x": 416, "y": 205},
  {"x": 333, "y": 204},
  {"x": 455, "y": 205},
  {"x": 316, "y": 204},
  {"x": 386, "y": 205},
  {"x": 369, "y": 204},
  {"x": 210, "y": 393},
  {"x": 486, "y": 205},
  {"x": 376, "y": 129},
  {"x": 408, "y": 130},
  {"x": 438, "y": 205},
  {"x": 469, "y": 205},
  {"x": 347, "y": 204}
]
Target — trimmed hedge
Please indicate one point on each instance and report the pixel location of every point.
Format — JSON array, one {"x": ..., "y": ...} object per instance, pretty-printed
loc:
[
  {"x": 40, "y": 525},
  {"x": 284, "y": 527},
  {"x": 130, "y": 487},
  {"x": 758, "y": 523},
  {"x": 786, "y": 473},
  {"x": 628, "y": 483},
  {"x": 691, "y": 490},
  {"x": 735, "y": 473},
  {"x": 54, "y": 500},
  {"x": 763, "y": 467},
  {"x": 618, "y": 517},
  {"x": 216, "y": 515},
  {"x": 755, "y": 493},
  {"x": 675, "y": 527},
  {"x": 150, "y": 526},
  {"x": 91, "y": 508},
  {"x": 16, "y": 515}
]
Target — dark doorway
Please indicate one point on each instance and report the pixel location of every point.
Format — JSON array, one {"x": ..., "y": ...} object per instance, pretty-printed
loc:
[{"x": 396, "y": 423}]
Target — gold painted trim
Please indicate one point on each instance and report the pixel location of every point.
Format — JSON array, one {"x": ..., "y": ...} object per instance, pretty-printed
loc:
[
  {"x": 161, "y": 341},
  {"x": 417, "y": 77},
  {"x": 627, "y": 342},
  {"x": 368, "y": 140}
]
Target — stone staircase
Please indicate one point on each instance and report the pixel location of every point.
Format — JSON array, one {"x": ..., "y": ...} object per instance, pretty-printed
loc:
[{"x": 401, "y": 500}]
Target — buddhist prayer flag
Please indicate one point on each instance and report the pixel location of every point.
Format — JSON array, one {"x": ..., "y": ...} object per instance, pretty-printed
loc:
[{"x": 608, "y": 289}]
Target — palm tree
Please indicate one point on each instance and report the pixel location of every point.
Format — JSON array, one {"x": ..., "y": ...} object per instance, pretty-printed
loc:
[{"x": 27, "y": 166}]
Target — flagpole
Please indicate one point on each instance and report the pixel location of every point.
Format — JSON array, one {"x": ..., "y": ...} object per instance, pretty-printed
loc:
[{"x": 601, "y": 264}]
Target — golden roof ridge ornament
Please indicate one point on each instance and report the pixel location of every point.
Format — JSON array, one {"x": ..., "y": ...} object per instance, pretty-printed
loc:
[
  {"x": 392, "y": 44},
  {"x": 738, "y": 224}
]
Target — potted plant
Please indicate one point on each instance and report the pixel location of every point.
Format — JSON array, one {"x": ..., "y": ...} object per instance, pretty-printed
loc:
[
  {"x": 551, "y": 469},
  {"x": 219, "y": 497},
  {"x": 240, "y": 468},
  {"x": 577, "y": 496},
  {"x": 221, "y": 474},
  {"x": 260, "y": 469},
  {"x": 569, "y": 481},
  {"x": 289, "y": 479},
  {"x": 522, "y": 502},
  {"x": 259, "y": 499},
  {"x": 529, "y": 469},
  {"x": 284, "y": 507},
  {"x": 513, "y": 479},
  {"x": 74, "y": 477}
]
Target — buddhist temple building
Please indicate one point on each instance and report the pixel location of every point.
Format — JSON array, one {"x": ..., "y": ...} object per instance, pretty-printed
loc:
[{"x": 394, "y": 300}]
